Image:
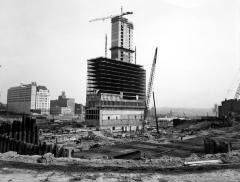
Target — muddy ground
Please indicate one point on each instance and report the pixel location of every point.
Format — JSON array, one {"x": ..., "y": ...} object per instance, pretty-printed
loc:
[
  {"x": 12, "y": 174},
  {"x": 170, "y": 145}
]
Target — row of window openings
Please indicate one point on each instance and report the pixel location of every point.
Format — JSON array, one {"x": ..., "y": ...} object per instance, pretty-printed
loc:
[
  {"x": 92, "y": 116},
  {"x": 97, "y": 117},
  {"x": 42, "y": 106},
  {"x": 117, "y": 117}
]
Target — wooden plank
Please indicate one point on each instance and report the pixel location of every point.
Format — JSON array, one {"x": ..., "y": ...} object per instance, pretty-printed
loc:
[{"x": 205, "y": 162}]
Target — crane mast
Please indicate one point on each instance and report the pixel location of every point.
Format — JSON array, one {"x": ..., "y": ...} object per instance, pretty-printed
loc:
[
  {"x": 150, "y": 85},
  {"x": 237, "y": 92}
]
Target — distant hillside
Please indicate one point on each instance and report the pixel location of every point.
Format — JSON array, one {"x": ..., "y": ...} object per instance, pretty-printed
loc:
[{"x": 190, "y": 112}]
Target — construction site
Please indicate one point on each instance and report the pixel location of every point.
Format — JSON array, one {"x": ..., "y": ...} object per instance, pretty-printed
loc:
[{"x": 120, "y": 133}]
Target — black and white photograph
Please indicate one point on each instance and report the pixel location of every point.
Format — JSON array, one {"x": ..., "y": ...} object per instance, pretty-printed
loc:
[{"x": 120, "y": 90}]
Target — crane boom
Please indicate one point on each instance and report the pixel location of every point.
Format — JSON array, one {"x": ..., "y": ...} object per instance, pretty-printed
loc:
[
  {"x": 111, "y": 16},
  {"x": 150, "y": 84},
  {"x": 237, "y": 92}
]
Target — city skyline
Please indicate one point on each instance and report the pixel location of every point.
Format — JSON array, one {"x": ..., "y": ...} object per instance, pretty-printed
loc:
[{"x": 50, "y": 42}]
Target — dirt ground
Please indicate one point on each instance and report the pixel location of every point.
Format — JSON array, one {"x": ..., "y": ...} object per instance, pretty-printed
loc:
[
  {"x": 174, "y": 147},
  {"x": 23, "y": 175}
]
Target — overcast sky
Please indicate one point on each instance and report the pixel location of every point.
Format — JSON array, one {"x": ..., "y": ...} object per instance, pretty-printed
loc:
[{"x": 49, "y": 41}]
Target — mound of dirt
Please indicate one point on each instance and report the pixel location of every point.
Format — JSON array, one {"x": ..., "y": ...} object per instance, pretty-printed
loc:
[{"x": 47, "y": 158}]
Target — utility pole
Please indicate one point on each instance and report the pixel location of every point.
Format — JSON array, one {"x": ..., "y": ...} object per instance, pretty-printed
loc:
[{"x": 155, "y": 113}]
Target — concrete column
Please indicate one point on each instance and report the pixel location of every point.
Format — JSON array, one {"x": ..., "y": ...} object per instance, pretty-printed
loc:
[
  {"x": 1, "y": 143},
  {"x": 10, "y": 147},
  {"x": 18, "y": 146},
  {"x": 18, "y": 134},
  {"x": 32, "y": 131},
  {"x": 28, "y": 126},
  {"x": 23, "y": 128},
  {"x": 24, "y": 148},
  {"x": 36, "y": 137},
  {"x": 68, "y": 152},
  {"x": 54, "y": 150},
  {"x": 4, "y": 144},
  {"x": 13, "y": 129},
  {"x": 7, "y": 144},
  {"x": 9, "y": 130},
  {"x": 61, "y": 152}
]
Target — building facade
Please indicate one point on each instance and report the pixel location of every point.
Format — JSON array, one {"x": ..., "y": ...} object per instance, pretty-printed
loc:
[
  {"x": 122, "y": 40},
  {"x": 229, "y": 106},
  {"x": 80, "y": 111},
  {"x": 62, "y": 106},
  {"x": 115, "y": 94},
  {"x": 27, "y": 99},
  {"x": 3, "y": 108}
]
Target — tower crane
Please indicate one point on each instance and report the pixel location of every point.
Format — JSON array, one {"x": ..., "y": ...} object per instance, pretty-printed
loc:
[
  {"x": 111, "y": 16},
  {"x": 108, "y": 17},
  {"x": 150, "y": 85}
]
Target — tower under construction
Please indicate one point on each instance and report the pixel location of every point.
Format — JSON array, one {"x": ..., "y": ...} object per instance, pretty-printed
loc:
[
  {"x": 122, "y": 38},
  {"x": 116, "y": 88}
]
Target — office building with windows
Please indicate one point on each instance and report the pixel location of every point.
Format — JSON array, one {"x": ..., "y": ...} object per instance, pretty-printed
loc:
[{"x": 28, "y": 99}]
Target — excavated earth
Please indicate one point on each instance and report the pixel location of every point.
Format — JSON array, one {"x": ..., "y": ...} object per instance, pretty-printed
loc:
[{"x": 14, "y": 167}]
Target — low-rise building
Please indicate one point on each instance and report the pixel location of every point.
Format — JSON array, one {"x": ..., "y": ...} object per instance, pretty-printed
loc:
[
  {"x": 62, "y": 106},
  {"x": 80, "y": 111},
  {"x": 3, "y": 108},
  {"x": 229, "y": 106}
]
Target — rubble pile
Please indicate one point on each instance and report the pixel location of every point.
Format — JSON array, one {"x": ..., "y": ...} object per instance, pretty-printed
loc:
[
  {"x": 230, "y": 157},
  {"x": 47, "y": 158},
  {"x": 163, "y": 162},
  {"x": 193, "y": 157},
  {"x": 14, "y": 156},
  {"x": 167, "y": 161}
]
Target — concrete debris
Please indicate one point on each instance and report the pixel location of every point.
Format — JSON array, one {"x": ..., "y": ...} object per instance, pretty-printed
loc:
[
  {"x": 9, "y": 154},
  {"x": 165, "y": 161},
  {"x": 230, "y": 157},
  {"x": 47, "y": 158},
  {"x": 193, "y": 157},
  {"x": 170, "y": 161}
]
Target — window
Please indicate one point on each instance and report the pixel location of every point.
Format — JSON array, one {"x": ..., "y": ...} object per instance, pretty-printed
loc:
[{"x": 108, "y": 117}]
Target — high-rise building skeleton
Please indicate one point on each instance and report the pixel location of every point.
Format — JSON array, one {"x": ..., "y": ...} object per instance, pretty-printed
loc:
[{"x": 116, "y": 88}]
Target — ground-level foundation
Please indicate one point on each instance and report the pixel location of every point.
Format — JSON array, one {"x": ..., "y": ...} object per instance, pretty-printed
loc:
[{"x": 117, "y": 120}]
